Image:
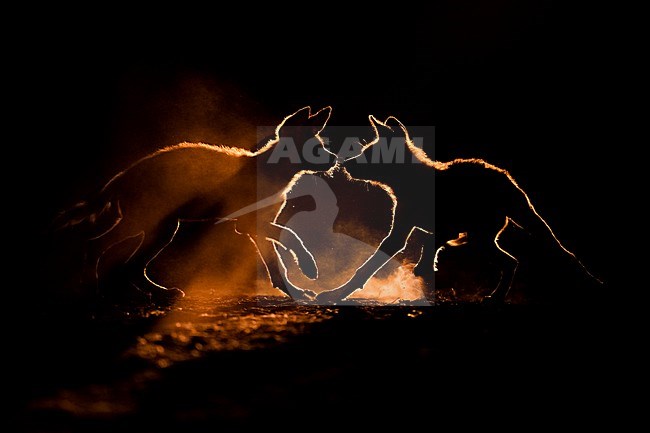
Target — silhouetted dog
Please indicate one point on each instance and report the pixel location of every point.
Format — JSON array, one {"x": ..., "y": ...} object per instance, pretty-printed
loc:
[
  {"x": 464, "y": 200},
  {"x": 143, "y": 205}
]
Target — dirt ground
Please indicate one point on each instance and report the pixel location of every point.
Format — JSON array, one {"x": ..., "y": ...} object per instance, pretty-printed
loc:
[{"x": 235, "y": 362}]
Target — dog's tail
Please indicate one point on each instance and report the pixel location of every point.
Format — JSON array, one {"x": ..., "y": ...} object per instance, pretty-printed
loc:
[{"x": 528, "y": 218}]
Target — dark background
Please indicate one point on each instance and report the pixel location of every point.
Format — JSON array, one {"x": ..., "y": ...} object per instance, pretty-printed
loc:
[
  {"x": 526, "y": 85},
  {"x": 531, "y": 86}
]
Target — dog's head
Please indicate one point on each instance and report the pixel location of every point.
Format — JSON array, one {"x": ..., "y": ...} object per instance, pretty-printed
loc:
[
  {"x": 298, "y": 141},
  {"x": 387, "y": 152}
]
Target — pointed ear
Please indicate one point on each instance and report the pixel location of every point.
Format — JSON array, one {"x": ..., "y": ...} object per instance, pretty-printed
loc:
[
  {"x": 392, "y": 122},
  {"x": 379, "y": 126},
  {"x": 319, "y": 119},
  {"x": 298, "y": 116},
  {"x": 396, "y": 126},
  {"x": 308, "y": 120}
]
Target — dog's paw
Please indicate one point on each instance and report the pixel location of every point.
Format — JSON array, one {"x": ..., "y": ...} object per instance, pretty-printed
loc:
[
  {"x": 302, "y": 295},
  {"x": 491, "y": 300},
  {"x": 166, "y": 297},
  {"x": 329, "y": 297}
]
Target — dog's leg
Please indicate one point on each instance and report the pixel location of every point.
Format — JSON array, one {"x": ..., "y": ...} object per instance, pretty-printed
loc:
[
  {"x": 290, "y": 240},
  {"x": 389, "y": 247},
  {"x": 509, "y": 265},
  {"x": 276, "y": 270},
  {"x": 425, "y": 265}
]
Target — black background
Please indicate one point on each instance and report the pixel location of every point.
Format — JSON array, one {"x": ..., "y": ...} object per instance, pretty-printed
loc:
[{"x": 530, "y": 86}]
